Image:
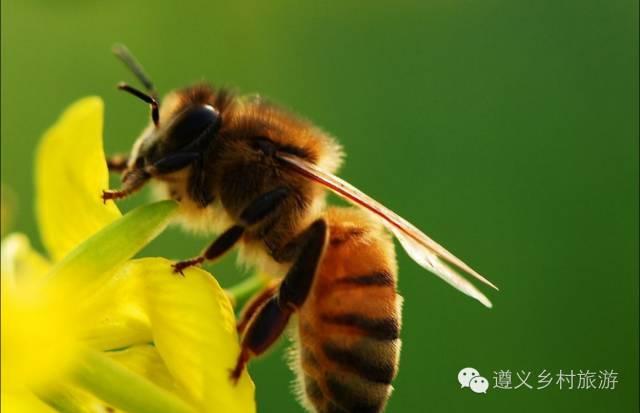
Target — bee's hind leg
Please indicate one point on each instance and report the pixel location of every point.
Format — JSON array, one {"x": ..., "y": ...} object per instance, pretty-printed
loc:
[
  {"x": 254, "y": 304},
  {"x": 263, "y": 330},
  {"x": 270, "y": 319}
]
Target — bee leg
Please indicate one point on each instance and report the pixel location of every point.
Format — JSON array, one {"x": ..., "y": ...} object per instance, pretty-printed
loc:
[
  {"x": 255, "y": 303},
  {"x": 117, "y": 163},
  {"x": 263, "y": 330},
  {"x": 271, "y": 319},
  {"x": 296, "y": 284},
  {"x": 133, "y": 180},
  {"x": 221, "y": 245},
  {"x": 256, "y": 211}
]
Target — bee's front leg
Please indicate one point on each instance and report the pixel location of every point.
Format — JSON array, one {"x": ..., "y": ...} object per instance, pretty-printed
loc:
[{"x": 132, "y": 181}]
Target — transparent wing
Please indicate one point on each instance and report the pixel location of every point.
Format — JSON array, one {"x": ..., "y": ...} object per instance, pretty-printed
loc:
[{"x": 422, "y": 249}]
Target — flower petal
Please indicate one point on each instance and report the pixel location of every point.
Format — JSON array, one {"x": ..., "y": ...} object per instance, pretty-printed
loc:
[
  {"x": 24, "y": 402},
  {"x": 71, "y": 172},
  {"x": 20, "y": 263},
  {"x": 194, "y": 331},
  {"x": 121, "y": 320},
  {"x": 145, "y": 360},
  {"x": 68, "y": 398},
  {"x": 30, "y": 317}
]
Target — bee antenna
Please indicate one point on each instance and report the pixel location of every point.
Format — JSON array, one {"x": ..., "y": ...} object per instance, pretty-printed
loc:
[
  {"x": 155, "y": 113},
  {"x": 132, "y": 64}
]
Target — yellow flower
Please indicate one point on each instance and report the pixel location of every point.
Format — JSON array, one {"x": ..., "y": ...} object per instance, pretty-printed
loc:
[{"x": 89, "y": 327}]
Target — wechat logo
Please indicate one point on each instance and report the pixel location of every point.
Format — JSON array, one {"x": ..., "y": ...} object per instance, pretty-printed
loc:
[{"x": 470, "y": 377}]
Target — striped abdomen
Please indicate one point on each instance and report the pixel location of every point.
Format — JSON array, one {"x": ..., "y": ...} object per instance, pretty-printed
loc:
[{"x": 348, "y": 329}]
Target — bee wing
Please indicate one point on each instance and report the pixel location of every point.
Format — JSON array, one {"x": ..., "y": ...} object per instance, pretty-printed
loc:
[{"x": 422, "y": 249}]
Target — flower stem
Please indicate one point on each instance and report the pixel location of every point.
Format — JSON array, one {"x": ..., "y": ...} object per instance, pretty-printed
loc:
[
  {"x": 63, "y": 402},
  {"x": 122, "y": 388},
  {"x": 245, "y": 289}
]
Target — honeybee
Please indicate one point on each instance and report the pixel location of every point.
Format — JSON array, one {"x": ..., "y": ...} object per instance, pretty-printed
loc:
[{"x": 257, "y": 175}]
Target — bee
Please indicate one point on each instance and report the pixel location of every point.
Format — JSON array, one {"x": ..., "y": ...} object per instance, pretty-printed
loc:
[{"x": 257, "y": 175}]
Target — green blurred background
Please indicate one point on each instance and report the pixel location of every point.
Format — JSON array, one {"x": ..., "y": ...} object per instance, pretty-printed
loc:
[{"x": 507, "y": 130}]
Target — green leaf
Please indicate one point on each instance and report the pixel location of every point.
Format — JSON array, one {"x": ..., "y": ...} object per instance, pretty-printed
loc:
[
  {"x": 122, "y": 388},
  {"x": 90, "y": 264}
]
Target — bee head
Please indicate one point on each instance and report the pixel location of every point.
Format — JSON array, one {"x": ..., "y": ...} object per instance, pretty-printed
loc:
[
  {"x": 179, "y": 135},
  {"x": 176, "y": 138},
  {"x": 189, "y": 123}
]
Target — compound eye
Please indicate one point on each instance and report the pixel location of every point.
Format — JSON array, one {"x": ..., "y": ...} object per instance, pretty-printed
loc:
[{"x": 195, "y": 122}]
